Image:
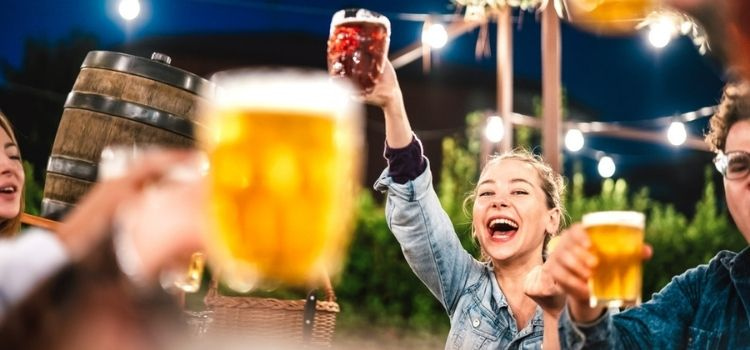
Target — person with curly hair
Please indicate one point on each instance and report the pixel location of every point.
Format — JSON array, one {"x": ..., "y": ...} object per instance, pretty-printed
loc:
[{"x": 706, "y": 307}]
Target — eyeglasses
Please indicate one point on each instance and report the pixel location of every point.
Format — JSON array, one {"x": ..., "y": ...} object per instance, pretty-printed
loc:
[{"x": 733, "y": 165}]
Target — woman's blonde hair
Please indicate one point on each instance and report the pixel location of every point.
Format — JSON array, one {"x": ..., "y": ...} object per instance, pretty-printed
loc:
[
  {"x": 553, "y": 187},
  {"x": 11, "y": 226}
]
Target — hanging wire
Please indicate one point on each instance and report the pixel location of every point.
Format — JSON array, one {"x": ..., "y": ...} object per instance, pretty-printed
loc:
[{"x": 312, "y": 10}]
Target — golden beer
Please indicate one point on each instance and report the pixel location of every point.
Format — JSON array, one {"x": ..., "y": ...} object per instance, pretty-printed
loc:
[
  {"x": 612, "y": 17},
  {"x": 617, "y": 240},
  {"x": 284, "y": 151}
]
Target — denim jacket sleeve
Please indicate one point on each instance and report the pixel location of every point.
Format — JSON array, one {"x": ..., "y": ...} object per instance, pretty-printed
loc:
[
  {"x": 661, "y": 323},
  {"x": 427, "y": 237}
]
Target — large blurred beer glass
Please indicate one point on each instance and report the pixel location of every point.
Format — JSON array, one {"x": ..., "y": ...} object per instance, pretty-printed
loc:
[
  {"x": 610, "y": 17},
  {"x": 617, "y": 240},
  {"x": 358, "y": 46},
  {"x": 285, "y": 153}
]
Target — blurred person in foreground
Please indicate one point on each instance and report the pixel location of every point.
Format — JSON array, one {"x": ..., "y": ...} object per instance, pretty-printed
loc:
[
  {"x": 727, "y": 24},
  {"x": 83, "y": 300},
  {"x": 708, "y": 306},
  {"x": 516, "y": 209}
]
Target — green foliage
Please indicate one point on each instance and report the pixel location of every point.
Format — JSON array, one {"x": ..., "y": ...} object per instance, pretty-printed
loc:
[
  {"x": 680, "y": 243},
  {"x": 33, "y": 192},
  {"x": 377, "y": 287},
  {"x": 458, "y": 177}
]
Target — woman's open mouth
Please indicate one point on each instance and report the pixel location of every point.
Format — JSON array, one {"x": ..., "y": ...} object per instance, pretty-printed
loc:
[{"x": 502, "y": 229}]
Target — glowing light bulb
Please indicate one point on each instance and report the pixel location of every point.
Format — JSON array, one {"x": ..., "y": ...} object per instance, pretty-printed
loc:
[
  {"x": 435, "y": 35},
  {"x": 606, "y": 167},
  {"x": 660, "y": 32},
  {"x": 574, "y": 140},
  {"x": 129, "y": 9},
  {"x": 676, "y": 133},
  {"x": 495, "y": 130}
]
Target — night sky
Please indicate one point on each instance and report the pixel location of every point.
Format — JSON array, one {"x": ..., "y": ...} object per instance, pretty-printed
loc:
[{"x": 617, "y": 79}]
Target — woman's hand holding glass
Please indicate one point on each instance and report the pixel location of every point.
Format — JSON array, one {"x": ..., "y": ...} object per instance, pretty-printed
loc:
[{"x": 159, "y": 225}]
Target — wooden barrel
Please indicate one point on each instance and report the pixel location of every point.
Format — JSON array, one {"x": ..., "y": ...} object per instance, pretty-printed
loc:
[{"x": 118, "y": 99}]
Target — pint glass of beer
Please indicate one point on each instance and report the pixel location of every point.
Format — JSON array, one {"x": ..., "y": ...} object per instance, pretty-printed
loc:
[
  {"x": 285, "y": 149},
  {"x": 617, "y": 240},
  {"x": 610, "y": 17},
  {"x": 358, "y": 46}
]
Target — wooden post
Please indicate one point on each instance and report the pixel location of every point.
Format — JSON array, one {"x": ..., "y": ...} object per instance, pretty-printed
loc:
[
  {"x": 551, "y": 92},
  {"x": 485, "y": 146},
  {"x": 505, "y": 75},
  {"x": 426, "y": 49}
]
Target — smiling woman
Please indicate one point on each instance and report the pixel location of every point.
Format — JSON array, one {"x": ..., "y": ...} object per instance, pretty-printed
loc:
[
  {"x": 11, "y": 181},
  {"x": 516, "y": 209}
]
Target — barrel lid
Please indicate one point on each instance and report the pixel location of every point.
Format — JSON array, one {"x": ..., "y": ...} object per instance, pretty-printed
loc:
[{"x": 151, "y": 69}]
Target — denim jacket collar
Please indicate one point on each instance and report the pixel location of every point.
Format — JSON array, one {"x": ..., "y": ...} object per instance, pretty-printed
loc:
[
  {"x": 497, "y": 296},
  {"x": 501, "y": 302}
]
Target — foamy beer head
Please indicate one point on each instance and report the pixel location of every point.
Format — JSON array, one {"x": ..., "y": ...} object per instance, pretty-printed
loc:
[
  {"x": 285, "y": 154},
  {"x": 617, "y": 240},
  {"x": 609, "y": 17},
  {"x": 617, "y": 218},
  {"x": 358, "y": 46}
]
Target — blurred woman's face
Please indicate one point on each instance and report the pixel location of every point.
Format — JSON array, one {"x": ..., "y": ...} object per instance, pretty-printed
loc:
[
  {"x": 11, "y": 177},
  {"x": 510, "y": 214}
]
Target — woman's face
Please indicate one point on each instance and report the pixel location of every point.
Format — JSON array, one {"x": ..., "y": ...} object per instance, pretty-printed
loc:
[
  {"x": 510, "y": 214},
  {"x": 11, "y": 178},
  {"x": 737, "y": 191}
]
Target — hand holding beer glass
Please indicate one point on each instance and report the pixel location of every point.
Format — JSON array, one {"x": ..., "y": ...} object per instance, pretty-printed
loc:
[
  {"x": 284, "y": 148},
  {"x": 151, "y": 229},
  {"x": 358, "y": 46},
  {"x": 617, "y": 241}
]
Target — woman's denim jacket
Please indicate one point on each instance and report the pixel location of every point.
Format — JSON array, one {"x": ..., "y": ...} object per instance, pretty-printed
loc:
[
  {"x": 707, "y": 307},
  {"x": 479, "y": 314}
]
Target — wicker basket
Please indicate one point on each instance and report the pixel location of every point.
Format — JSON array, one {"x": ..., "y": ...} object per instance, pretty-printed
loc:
[{"x": 309, "y": 322}]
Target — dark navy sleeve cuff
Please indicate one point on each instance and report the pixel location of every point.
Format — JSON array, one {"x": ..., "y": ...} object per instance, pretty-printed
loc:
[{"x": 407, "y": 163}]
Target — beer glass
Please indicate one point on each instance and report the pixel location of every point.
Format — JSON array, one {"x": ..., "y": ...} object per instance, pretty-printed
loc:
[
  {"x": 358, "y": 46},
  {"x": 285, "y": 149},
  {"x": 617, "y": 240},
  {"x": 611, "y": 17}
]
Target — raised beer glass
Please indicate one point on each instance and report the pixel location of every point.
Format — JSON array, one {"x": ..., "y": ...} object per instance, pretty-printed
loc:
[
  {"x": 285, "y": 149},
  {"x": 617, "y": 241},
  {"x": 358, "y": 46}
]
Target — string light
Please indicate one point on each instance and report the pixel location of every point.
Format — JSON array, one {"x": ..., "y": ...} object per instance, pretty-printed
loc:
[
  {"x": 435, "y": 35},
  {"x": 663, "y": 25},
  {"x": 661, "y": 31},
  {"x": 606, "y": 167},
  {"x": 129, "y": 9},
  {"x": 494, "y": 131},
  {"x": 676, "y": 134},
  {"x": 574, "y": 140}
]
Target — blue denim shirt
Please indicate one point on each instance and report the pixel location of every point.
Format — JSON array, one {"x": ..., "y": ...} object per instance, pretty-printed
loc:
[
  {"x": 479, "y": 313},
  {"x": 707, "y": 307}
]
